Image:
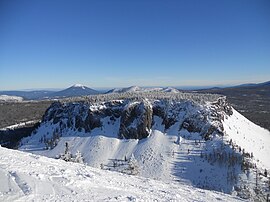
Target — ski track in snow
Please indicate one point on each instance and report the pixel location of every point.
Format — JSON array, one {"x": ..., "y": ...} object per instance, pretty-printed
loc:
[{"x": 29, "y": 177}]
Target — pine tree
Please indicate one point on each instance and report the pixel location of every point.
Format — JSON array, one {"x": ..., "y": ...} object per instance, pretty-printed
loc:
[
  {"x": 67, "y": 155},
  {"x": 265, "y": 173},
  {"x": 66, "y": 148}
]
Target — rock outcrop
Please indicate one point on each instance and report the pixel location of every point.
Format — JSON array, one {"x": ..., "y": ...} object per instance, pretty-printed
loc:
[{"x": 134, "y": 119}]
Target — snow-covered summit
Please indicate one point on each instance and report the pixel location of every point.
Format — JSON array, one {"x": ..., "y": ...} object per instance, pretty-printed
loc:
[
  {"x": 78, "y": 86},
  {"x": 125, "y": 90},
  {"x": 170, "y": 89},
  {"x": 133, "y": 89}
]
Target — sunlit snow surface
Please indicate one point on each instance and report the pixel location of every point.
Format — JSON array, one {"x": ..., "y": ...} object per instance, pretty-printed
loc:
[
  {"x": 8, "y": 98},
  {"x": 249, "y": 136},
  {"x": 29, "y": 177},
  {"x": 79, "y": 86}
]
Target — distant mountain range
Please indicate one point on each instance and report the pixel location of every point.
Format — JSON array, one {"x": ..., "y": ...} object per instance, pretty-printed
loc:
[
  {"x": 244, "y": 89},
  {"x": 264, "y": 84},
  {"x": 73, "y": 91},
  {"x": 242, "y": 86},
  {"x": 28, "y": 95},
  {"x": 81, "y": 90},
  {"x": 141, "y": 89},
  {"x": 78, "y": 90}
]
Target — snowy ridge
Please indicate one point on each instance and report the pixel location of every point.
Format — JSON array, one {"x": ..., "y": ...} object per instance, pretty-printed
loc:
[
  {"x": 8, "y": 98},
  {"x": 140, "y": 89},
  {"x": 26, "y": 177},
  {"x": 19, "y": 125},
  {"x": 170, "y": 89}
]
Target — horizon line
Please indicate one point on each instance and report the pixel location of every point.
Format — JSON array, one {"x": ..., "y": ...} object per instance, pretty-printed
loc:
[{"x": 184, "y": 87}]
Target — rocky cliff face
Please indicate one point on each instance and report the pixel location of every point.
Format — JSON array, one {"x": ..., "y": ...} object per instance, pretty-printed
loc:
[{"x": 134, "y": 119}]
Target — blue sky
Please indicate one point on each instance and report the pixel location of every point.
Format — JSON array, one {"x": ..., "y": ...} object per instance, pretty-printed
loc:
[{"x": 104, "y": 43}]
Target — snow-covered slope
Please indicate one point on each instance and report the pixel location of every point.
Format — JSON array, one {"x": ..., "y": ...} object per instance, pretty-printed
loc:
[
  {"x": 178, "y": 137},
  {"x": 9, "y": 98},
  {"x": 249, "y": 136},
  {"x": 137, "y": 89},
  {"x": 128, "y": 89},
  {"x": 28, "y": 95},
  {"x": 19, "y": 125},
  {"x": 28, "y": 177},
  {"x": 170, "y": 89}
]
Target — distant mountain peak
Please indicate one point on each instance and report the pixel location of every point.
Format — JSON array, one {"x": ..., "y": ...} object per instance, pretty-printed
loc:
[
  {"x": 170, "y": 90},
  {"x": 74, "y": 91},
  {"x": 141, "y": 89},
  {"x": 78, "y": 86},
  {"x": 127, "y": 89},
  {"x": 133, "y": 88}
]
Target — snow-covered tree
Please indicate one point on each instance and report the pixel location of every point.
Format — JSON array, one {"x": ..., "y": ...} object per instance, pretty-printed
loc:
[
  {"x": 67, "y": 155},
  {"x": 78, "y": 157},
  {"x": 133, "y": 165}
]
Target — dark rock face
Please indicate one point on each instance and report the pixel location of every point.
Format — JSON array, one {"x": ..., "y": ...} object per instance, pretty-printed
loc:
[
  {"x": 162, "y": 113},
  {"x": 92, "y": 121},
  {"x": 11, "y": 138},
  {"x": 136, "y": 121},
  {"x": 135, "y": 118},
  {"x": 222, "y": 105},
  {"x": 191, "y": 126}
]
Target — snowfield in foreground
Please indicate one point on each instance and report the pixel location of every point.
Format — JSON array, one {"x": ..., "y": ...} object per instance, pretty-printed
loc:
[{"x": 29, "y": 177}]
